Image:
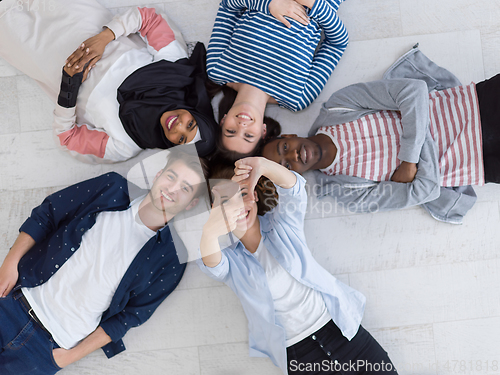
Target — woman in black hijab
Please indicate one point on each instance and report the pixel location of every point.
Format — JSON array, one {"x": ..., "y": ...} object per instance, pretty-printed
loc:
[
  {"x": 137, "y": 96},
  {"x": 156, "y": 99}
]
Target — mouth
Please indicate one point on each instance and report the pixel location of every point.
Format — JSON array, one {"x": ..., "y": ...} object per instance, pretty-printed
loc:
[
  {"x": 244, "y": 116},
  {"x": 243, "y": 216},
  {"x": 170, "y": 122},
  {"x": 166, "y": 196},
  {"x": 304, "y": 154}
]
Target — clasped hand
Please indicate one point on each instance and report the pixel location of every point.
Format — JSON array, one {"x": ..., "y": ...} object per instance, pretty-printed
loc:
[
  {"x": 90, "y": 51},
  {"x": 293, "y": 9}
]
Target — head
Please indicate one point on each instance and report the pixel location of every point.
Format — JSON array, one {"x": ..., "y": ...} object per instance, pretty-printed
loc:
[
  {"x": 264, "y": 198},
  {"x": 295, "y": 153},
  {"x": 178, "y": 186},
  {"x": 179, "y": 125},
  {"x": 243, "y": 129}
]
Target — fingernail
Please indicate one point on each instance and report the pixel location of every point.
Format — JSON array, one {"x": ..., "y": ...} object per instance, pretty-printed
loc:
[
  {"x": 82, "y": 45},
  {"x": 77, "y": 67},
  {"x": 69, "y": 65},
  {"x": 87, "y": 50}
]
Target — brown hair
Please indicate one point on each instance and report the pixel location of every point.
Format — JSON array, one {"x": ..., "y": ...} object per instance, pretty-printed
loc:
[
  {"x": 266, "y": 191},
  {"x": 199, "y": 165}
]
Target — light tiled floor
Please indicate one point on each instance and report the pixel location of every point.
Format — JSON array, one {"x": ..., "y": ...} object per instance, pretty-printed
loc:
[{"x": 432, "y": 288}]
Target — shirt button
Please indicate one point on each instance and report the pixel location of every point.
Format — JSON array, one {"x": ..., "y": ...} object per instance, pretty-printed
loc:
[
  {"x": 313, "y": 337},
  {"x": 72, "y": 249},
  {"x": 81, "y": 229},
  {"x": 328, "y": 354},
  {"x": 57, "y": 266},
  {"x": 320, "y": 345}
]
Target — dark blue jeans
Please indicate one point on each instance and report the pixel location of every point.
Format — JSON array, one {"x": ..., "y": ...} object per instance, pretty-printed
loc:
[
  {"x": 327, "y": 351},
  {"x": 25, "y": 347}
]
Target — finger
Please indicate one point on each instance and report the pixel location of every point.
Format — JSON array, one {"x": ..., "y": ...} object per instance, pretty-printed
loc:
[
  {"x": 240, "y": 178},
  {"x": 284, "y": 21},
  {"x": 301, "y": 16},
  {"x": 75, "y": 57},
  {"x": 240, "y": 171}
]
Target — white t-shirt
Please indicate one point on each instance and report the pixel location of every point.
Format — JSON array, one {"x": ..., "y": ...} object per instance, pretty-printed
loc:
[
  {"x": 299, "y": 309},
  {"x": 70, "y": 304}
]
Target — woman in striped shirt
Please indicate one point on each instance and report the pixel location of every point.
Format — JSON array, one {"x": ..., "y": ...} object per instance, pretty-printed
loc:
[{"x": 253, "y": 53}]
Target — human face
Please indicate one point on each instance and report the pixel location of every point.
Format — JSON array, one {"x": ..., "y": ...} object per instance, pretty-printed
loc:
[
  {"x": 242, "y": 128},
  {"x": 295, "y": 153},
  {"x": 174, "y": 188},
  {"x": 179, "y": 126},
  {"x": 237, "y": 196}
]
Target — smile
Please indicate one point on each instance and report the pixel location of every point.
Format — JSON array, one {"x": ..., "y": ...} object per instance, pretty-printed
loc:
[
  {"x": 170, "y": 122},
  {"x": 244, "y": 116},
  {"x": 166, "y": 196}
]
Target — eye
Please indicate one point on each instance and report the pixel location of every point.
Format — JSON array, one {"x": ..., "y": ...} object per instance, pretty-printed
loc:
[
  {"x": 185, "y": 189},
  {"x": 288, "y": 166},
  {"x": 181, "y": 139},
  {"x": 224, "y": 201},
  {"x": 249, "y": 135},
  {"x": 170, "y": 177},
  {"x": 285, "y": 146},
  {"x": 230, "y": 131}
]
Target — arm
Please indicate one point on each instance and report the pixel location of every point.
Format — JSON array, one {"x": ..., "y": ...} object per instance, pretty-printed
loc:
[
  {"x": 359, "y": 195},
  {"x": 8, "y": 271},
  {"x": 328, "y": 54},
  {"x": 292, "y": 202},
  {"x": 95, "y": 340},
  {"x": 408, "y": 96},
  {"x": 153, "y": 28}
]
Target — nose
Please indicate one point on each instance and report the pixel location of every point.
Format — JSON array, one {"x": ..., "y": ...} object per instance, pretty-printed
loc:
[{"x": 295, "y": 155}]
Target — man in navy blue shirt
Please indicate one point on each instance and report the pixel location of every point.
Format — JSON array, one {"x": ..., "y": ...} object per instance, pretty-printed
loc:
[{"x": 89, "y": 264}]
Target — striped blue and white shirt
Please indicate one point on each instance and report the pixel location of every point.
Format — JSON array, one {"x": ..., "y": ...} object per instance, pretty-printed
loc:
[{"x": 248, "y": 45}]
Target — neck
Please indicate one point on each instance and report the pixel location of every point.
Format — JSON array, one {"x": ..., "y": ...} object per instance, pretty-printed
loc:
[
  {"x": 328, "y": 150},
  {"x": 252, "y": 237},
  {"x": 251, "y": 94},
  {"x": 152, "y": 217}
]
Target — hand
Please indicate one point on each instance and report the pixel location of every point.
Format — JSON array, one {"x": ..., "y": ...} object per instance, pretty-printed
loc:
[
  {"x": 405, "y": 173},
  {"x": 225, "y": 212},
  {"x": 90, "y": 50},
  {"x": 8, "y": 277},
  {"x": 307, "y": 3},
  {"x": 63, "y": 357},
  {"x": 248, "y": 171},
  {"x": 86, "y": 69},
  {"x": 289, "y": 8}
]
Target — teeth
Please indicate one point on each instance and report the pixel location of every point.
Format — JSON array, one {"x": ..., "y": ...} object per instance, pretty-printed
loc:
[
  {"x": 244, "y": 117},
  {"x": 166, "y": 197},
  {"x": 171, "y": 122}
]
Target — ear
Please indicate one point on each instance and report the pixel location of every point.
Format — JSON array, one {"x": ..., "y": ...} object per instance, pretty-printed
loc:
[
  {"x": 193, "y": 203},
  {"x": 264, "y": 130},
  {"x": 223, "y": 119},
  {"x": 256, "y": 196},
  {"x": 288, "y": 135}
]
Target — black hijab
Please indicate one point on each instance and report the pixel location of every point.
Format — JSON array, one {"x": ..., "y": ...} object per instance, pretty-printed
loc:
[{"x": 165, "y": 86}]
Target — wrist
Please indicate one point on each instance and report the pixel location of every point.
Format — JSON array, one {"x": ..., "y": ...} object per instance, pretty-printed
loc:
[{"x": 108, "y": 35}]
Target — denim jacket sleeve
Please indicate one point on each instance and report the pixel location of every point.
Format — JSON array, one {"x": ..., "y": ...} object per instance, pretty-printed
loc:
[{"x": 292, "y": 204}]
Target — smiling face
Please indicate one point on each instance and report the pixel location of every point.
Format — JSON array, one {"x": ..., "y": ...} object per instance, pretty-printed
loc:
[
  {"x": 295, "y": 153},
  {"x": 174, "y": 189},
  {"x": 179, "y": 126},
  {"x": 238, "y": 196},
  {"x": 242, "y": 128}
]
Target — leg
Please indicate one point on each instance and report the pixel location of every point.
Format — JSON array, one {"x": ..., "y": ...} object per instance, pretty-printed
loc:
[
  {"x": 334, "y": 354},
  {"x": 26, "y": 348},
  {"x": 37, "y": 36},
  {"x": 488, "y": 93}
]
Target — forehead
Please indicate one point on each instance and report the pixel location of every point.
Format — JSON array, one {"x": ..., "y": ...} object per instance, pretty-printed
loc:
[{"x": 184, "y": 172}]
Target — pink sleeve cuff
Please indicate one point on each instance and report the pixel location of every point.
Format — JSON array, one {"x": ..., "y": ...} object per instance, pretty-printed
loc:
[{"x": 155, "y": 28}]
